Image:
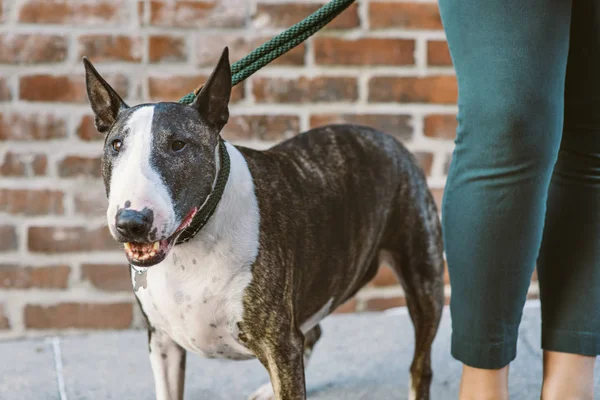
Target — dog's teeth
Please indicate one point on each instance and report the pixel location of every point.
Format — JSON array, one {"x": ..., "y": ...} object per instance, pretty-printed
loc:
[
  {"x": 152, "y": 254},
  {"x": 127, "y": 246},
  {"x": 156, "y": 246}
]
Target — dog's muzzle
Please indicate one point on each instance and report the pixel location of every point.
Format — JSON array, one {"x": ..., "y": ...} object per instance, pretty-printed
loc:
[{"x": 142, "y": 253}]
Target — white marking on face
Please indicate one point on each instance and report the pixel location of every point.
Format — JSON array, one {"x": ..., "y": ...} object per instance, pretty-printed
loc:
[
  {"x": 195, "y": 295},
  {"x": 133, "y": 179},
  {"x": 317, "y": 317}
]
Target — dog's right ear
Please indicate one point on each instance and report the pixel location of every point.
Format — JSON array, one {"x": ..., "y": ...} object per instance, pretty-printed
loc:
[{"x": 104, "y": 100}]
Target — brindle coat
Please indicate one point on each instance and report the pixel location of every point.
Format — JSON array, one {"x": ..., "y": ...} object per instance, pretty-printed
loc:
[{"x": 332, "y": 202}]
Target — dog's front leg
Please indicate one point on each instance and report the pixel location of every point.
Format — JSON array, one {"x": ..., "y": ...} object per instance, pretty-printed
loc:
[
  {"x": 284, "y": 359},
  {"x": 167, "y": 359}
]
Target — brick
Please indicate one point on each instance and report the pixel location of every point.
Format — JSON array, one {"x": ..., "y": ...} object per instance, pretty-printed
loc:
[
  {"x": 347, "y": 307},
  {"x": 12, "y": 165},
  {"x": 111, "y": 278},
  {"x": 430, "y": 89},
  {"x": 425, "y": 161},
  {"x": 438, "y": 54},
  {"x": 294, "y": 57},
  {"x": 395, "y": 125},
  {"x": 39, "y": 165},
  {"x": 8, "y": 238},
  {"x": 86, "y": 130},
  {"x": 369, "y": 51},
  {"x": 197, "y": 14},
  {"x": 263, "y": 127},
  {"x": 305, "y": 90},
  {"x": 35, "y": 126},
  {"x": 103, "y": 48},
  {"x": 51, "y": 239},
  {"x": 31, "y": 202},
  {"x": 141, "y": 12},
  {"x": 441, "y": 126},
  {"x": 32, "y": 49},
  {"x": 209, "y": 48},
  {"x": 163, "y": 49},
  {"x": 4, "y": 321},
  {"x": 22, "y": 277},
  {"x": 76, "y": 166},
  {"x": 91, "y": 202},
  {"x": 403, "y": 15},
  {"x": 287, "y": 14},
  {"x": 172, "y": 88},
  {"x": 5, "y": 92},
  {"x": 385, "y": 277},
  {"x": 23, "y": 164},
  {"x": 80, "y": 12},
  {"x": 64, "y": 88},
  {"x": 79, "y": 315},
  {"x": 384, "y": 303}
]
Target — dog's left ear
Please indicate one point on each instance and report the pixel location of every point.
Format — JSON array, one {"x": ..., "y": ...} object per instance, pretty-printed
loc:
[
  {"x": 104, "y": 100},
  {"x": 213, "y": 100}
]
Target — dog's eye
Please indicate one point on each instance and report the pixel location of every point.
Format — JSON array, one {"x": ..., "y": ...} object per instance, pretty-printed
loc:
[
  {"x": 177, "y": 145},
  {"x": 116, "y": 145}
]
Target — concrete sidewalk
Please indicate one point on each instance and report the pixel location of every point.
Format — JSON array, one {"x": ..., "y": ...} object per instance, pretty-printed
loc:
[{"x": 363, "y": 356}]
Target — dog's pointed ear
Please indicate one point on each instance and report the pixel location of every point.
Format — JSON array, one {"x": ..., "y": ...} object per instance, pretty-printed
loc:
[
  {"x": 213, "y": 100},
  {"x": 105, "y": 101}
]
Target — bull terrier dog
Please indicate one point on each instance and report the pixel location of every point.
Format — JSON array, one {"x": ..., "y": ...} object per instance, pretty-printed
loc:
[{"x": 237, "y": 253}]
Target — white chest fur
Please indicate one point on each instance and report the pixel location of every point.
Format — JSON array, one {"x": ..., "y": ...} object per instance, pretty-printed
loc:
[{"x": 195, "y": 295}]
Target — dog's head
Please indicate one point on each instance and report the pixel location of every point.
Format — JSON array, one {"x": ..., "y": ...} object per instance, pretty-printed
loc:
[{"x": 159, "y": 162}]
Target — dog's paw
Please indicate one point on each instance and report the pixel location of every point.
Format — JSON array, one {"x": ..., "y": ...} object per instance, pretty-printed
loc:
[{"x": 265, "y": 392}]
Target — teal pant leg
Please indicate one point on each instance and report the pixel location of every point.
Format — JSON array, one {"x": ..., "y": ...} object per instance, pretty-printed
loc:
[
  {"x": 510, "y": 58},
  {"x": 569, "y": 262}
]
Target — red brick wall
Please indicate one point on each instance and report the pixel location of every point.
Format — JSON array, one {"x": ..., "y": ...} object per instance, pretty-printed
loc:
[{"x": 381, "y": 63}]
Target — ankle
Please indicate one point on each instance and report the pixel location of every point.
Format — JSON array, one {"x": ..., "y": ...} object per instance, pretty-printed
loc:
[
  {"x": 484, "y": 384},
  {"x": 568, "y": 376},
  {"x": 552, "y": 391}
]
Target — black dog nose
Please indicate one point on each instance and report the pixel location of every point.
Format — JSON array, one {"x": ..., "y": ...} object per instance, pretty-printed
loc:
[{"x": 134, "y": 225}]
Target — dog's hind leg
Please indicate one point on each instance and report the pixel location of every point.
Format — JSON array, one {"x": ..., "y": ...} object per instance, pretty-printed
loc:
[
  {"x": 265, "y": 392},
  {"x": 167, "y": 359},
  {"x": 415, "y": 251},
  {"x": 310, "y": 339}
]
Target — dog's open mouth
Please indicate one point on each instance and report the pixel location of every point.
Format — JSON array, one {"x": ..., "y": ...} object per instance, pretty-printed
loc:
[{"x": 149, "y": 254}]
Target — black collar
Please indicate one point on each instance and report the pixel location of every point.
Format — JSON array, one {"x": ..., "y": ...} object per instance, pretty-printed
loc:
[{"x": 210, "y": 205}]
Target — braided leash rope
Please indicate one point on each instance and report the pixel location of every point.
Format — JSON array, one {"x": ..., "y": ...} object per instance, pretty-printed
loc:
[{"x": 281, "y": 43}]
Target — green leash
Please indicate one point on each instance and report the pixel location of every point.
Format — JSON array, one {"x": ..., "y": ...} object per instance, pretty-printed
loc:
[
  {"x": 282, "y": 43},
  {"x": 242, "y": 69}
]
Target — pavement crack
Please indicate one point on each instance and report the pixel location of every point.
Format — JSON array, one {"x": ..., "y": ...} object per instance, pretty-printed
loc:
[{"x": 58, "y": 367}]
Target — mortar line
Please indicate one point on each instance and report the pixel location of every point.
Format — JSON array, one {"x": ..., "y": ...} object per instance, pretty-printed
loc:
[{"x": 58, "y": 366}]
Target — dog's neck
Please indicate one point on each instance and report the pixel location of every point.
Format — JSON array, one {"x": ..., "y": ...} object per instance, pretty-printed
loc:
[
  {"x": 206, "y": 210},
  {"x": 236, "y": 219}
]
